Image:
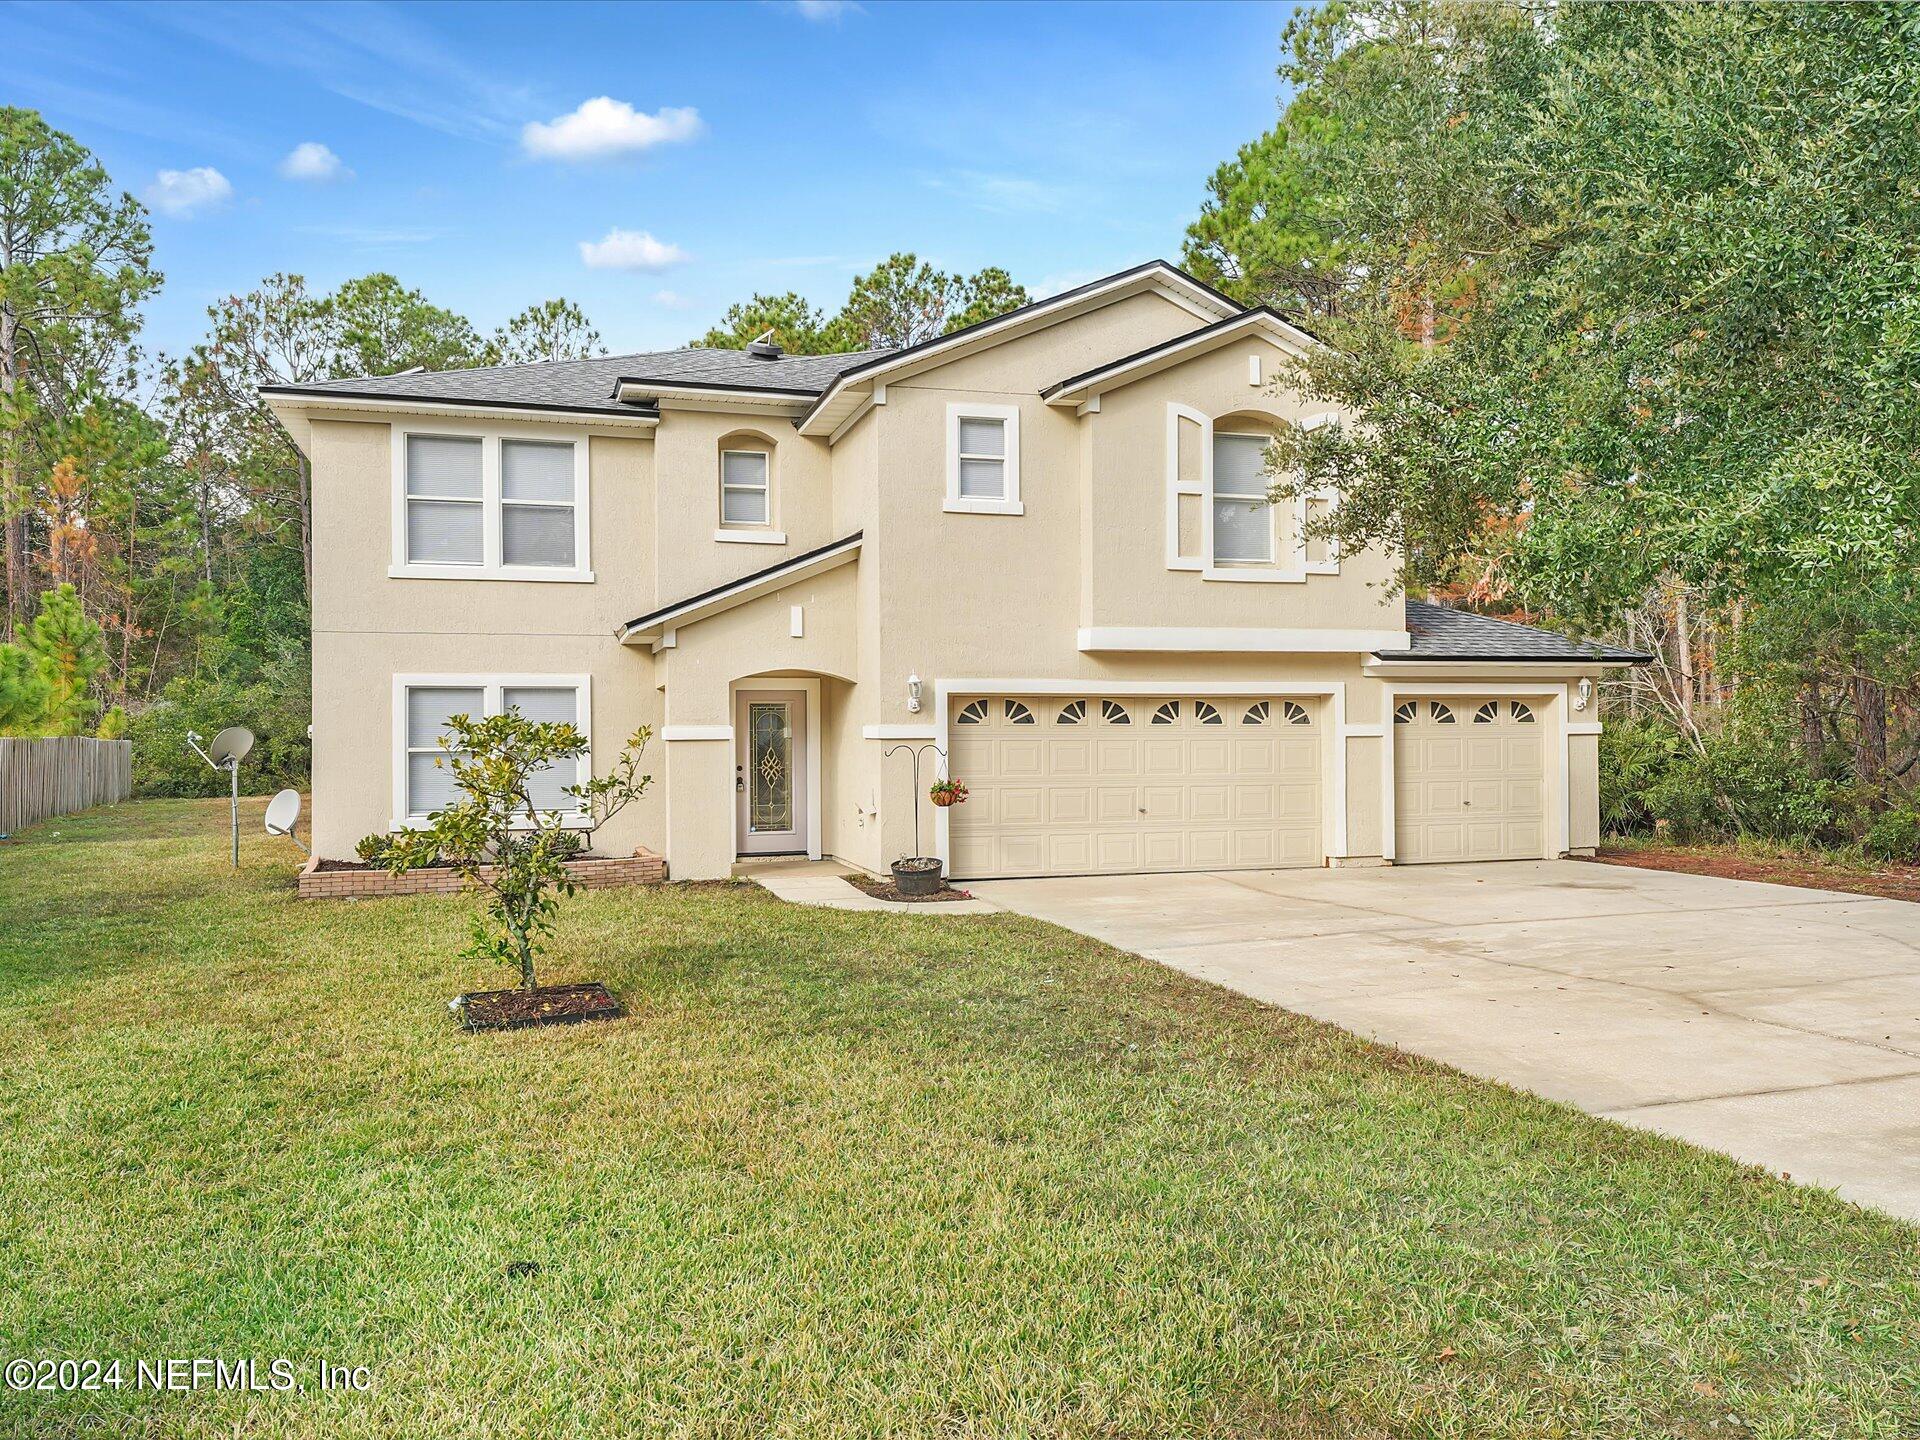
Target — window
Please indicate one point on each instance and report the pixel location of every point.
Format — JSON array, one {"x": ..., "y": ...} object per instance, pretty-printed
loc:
[
  {"x": 1521, "y": 713},
  {"x": 1206, "y": 714},
  {"x": 423, "y": 704},
  {"x": 1295, "y": 714},
  {"x": 1167, "y": 714},
  {"x": 1242, "y": 518},
  {"x": 1074, "y": 712},
  {"x": 1441, "y": 714},
  {"x": 1016, "y": 713},
  {"x": 1257, "y": 713},
  {"x": 536, "y": 503},
  {"x": 1487, "y": 713},
  {"x": 478, "y": 505},
  {"x": 1114, "y": 713},
  {"x": 445, "y": 507},
  {"x": 974, "y": 712},
  {"x": 983, "y": 460},
  {"x": 1403, "y": 714},
  {"x": 745, "y": 494}
]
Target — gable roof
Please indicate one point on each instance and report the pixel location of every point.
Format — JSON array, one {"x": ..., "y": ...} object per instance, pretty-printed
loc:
[
  {"x": 1077, "y": 389},
  {"x": 1440, "y": 632},
  {"x": 843, "y": 396},
  {"x": 590, "y": 387}
]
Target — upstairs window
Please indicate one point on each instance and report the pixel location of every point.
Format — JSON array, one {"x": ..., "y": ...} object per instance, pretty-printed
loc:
[
  {"x": 1242, "y": 516},
  {"x": 983, "y": 459},
  {"x": 474, "y": 505},
  {"x": 446, "y": 509},
  {"x": 745, "y": 491}
]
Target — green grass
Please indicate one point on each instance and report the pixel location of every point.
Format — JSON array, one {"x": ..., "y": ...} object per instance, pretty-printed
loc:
[{"x": 840, "y": 1174}]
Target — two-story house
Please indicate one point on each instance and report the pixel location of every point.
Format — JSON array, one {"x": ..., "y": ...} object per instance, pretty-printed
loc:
[{"x": 1041, "y": 544}]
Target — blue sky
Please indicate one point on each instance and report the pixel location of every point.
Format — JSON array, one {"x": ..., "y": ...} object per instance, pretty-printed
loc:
[{"x": 654, "y": 163}]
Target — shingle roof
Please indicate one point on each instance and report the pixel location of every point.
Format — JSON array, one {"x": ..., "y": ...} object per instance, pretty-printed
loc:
[
  {"x": 1442, "y": 633},
  {"x": 588, "y": 385}
]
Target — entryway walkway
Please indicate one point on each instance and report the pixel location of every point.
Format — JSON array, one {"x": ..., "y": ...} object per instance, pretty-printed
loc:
[{"x": 823, "y": 882}]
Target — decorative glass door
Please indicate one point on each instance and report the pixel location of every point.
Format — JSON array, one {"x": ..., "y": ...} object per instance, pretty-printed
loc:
[
  {"x": 769, "y": 767},
  {"x": 772, "y": 769}
]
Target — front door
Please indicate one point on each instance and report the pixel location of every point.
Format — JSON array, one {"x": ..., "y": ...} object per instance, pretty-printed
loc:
[{"x": 770, "y": 771}]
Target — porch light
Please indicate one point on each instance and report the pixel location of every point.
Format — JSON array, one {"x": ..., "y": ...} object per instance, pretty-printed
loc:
[
  {"x": 913, "y": 694},
  {"x": 1583, "y": 694}
]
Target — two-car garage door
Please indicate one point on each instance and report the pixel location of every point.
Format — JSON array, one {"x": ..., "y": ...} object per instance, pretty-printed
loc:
[{"x": 1093, "y": 784}]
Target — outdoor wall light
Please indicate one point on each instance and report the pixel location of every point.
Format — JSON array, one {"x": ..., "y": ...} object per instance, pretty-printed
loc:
[
  {"x": 1583, "y": 694},
  {"x": 913, "y": 694}
]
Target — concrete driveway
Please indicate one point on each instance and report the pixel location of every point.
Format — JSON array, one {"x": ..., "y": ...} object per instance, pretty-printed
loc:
[{"x": 1781, "y": 1026}]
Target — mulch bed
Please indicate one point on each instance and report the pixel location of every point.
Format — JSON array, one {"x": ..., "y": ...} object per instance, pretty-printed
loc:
[
  {"x": 1896, "y": 882},
  {"x": 887, "y": 890},
  {"x": 543, "y": 1005},
  {"x": 321, "y": 865}
]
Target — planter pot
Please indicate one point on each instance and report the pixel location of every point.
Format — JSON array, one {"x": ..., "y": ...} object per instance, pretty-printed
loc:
[
  {"x": 943, "y": 801},
  {"x": 918, "y": 876}
]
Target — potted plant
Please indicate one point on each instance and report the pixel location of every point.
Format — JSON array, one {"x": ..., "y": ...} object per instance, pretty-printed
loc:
[{"x": 945, "y": 793}]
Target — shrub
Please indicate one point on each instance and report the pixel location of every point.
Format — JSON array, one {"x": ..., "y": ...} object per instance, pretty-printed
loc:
[
  {"x": 1894, "y": 835},
  {"x": 276, "y": 706}
]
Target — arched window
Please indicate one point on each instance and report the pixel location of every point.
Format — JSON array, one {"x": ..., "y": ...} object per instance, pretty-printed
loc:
[
  {"x": 1522, "y": 713},
  {"x": 1295, "y": 714},
  {"x": 1441, "y": 714},
  {"x": 1487, "y": 713},
  {"x": 973, "y": 713},
  {"x": 746, "y": 489},
  {"x": 1166, "y": 714},
  {"x": 1257, "y": 713},
  {"x": 1074, "y": 712},
  {"x": 1403, "y": 713},
  {"x": 1017, "y": 714},
  {"x": 1114, "y": 713},
  {"x": 1206, "y": 714}
]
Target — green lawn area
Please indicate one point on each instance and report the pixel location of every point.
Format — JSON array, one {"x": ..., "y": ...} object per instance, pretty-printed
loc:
[{"x": 839, "y": 1174}]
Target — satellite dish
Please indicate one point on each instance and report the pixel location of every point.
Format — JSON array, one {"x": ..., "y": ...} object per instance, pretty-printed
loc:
[
  {"x": 283, "y": 812},
  {"x": 231, "y": 744}
]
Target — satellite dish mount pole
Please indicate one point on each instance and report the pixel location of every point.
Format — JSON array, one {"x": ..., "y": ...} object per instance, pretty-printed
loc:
[{"x": 228, "y": 747}]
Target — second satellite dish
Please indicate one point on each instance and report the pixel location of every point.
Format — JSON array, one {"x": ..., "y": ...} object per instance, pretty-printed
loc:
[
  {"x": 231, "y": 744},
  {"x": 283, "y": 813}
]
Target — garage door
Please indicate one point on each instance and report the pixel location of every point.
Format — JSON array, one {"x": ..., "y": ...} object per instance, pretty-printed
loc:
[
  {"x": 1470, "y": 780},
  {"x": 1106, "y": 785}
]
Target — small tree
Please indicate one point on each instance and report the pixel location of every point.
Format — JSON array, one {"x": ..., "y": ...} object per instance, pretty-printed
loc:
[{"x": 496, "y": 837}]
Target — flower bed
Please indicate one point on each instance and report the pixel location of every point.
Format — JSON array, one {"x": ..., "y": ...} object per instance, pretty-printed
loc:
[{"x": 341, "y": 880}]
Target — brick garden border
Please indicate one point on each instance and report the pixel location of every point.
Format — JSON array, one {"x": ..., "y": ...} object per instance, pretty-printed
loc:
[{"x": 643, "y": 867}]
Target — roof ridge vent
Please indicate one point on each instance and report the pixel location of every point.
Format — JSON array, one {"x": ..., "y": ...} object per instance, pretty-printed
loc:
[{"x": 764, "y": 347}]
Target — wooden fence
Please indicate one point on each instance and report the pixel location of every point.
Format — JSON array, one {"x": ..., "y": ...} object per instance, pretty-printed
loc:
[{"x": 59, "y": 774}]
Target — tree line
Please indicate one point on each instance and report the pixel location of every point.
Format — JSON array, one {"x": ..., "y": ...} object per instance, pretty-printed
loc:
[
  {"x": 156, "y": 521},
  {"x": 1628, "y": 295}
]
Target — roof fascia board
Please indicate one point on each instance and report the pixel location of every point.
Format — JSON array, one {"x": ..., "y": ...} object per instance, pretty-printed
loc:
[
  {"x": 650, "y": 629},
  {"x": 1086, "y": 388},
  {"x": 292, "y": 401},
  {"x": 1177, "y": 286},
  {"x": 630, "y": 391},
  {"x": 1465, "y": 667}
]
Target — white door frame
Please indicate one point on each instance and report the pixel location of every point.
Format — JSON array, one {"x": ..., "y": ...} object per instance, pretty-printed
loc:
[
  {"x": 810, "y": 687},
  {"x": 1550, "y": 696},
  {"x": 1333, "y": 745}
]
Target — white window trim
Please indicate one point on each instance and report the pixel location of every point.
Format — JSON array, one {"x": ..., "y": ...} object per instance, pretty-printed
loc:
[
  {"x": 747, "y": 532},
  {"x": 1009, "y": 503},
  {"x": 491, "y": 704},
  {"x": 491, "y": 567},
  {"x": 1232, "y": 572}
]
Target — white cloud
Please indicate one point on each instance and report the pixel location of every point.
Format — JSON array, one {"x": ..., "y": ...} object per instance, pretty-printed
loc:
[
  {"x": 310, "y": 160},
  {"x": 605, "y": 126},
  {"x": 183, "y": 192},
  {"x": 821, "y": 11},
  {"x": 630, "y": 250}
]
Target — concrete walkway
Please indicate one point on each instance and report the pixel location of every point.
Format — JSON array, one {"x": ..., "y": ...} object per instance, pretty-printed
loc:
[
  {"x": 1781, "y": 1026},
  {"x": 823, "y": 882}
]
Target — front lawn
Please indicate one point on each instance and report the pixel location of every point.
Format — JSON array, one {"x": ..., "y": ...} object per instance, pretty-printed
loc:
[{"x": 839, "y": 1174}]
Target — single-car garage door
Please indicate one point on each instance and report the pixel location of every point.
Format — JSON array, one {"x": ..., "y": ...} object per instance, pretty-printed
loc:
[
  {"x": 1092, "y": 784},
  {"x": 1470, "y": 780}
]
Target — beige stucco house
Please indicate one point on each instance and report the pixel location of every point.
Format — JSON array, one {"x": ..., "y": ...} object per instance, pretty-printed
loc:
[{"x": 1039, "y": 544}]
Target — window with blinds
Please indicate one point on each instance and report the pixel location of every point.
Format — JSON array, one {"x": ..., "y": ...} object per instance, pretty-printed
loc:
[
  {"x": 426, "y": 779},
  {"x": 745, "y": 488},
  {"x": 983, "y": 459},
  {"x": 1242, "y": 516},
  {"x": 499, "y": 506}
]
